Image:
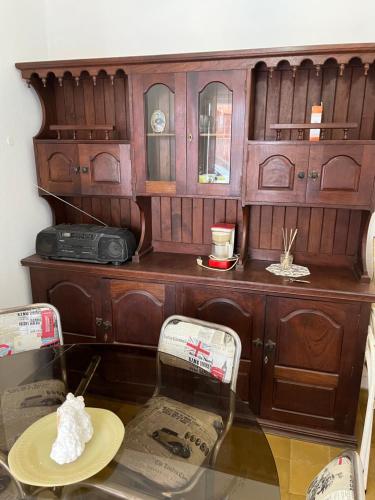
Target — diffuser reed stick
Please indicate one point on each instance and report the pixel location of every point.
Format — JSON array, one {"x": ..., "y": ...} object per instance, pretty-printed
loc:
[{"x": 289, "y": 235}]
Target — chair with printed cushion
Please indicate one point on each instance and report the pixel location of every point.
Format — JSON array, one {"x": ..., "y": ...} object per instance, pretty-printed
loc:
[
  {"x": 21, "y": 329},
  {"x": 168, "y": 433},
  {"x": 346, "y": 475},
  {"x": 29, "y": 327}
]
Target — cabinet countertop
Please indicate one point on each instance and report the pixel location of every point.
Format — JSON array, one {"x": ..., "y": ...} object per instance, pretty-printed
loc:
[{"x": 326, "y": 282}]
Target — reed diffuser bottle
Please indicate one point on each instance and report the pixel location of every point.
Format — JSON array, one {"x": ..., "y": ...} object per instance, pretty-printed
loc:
[{"x": 286, "y": 258}]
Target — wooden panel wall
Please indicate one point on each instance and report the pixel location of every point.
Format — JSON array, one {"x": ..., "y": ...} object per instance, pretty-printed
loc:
[
  {"x": 120, "y": 212},
  {"x": 326, "y": 235},
  {"x": 183, "y": 224},
  {"x": 281, "y": 97},
  {"x": 87, "y": 103}
]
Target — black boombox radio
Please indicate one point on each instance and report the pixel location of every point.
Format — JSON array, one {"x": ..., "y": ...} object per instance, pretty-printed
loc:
[{"x": 86, "y": 243}]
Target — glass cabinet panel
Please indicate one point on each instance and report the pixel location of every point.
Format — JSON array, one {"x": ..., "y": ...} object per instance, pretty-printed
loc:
[
  {"x": 160, "y": 133},
  {"x": 215, "y": 132}
]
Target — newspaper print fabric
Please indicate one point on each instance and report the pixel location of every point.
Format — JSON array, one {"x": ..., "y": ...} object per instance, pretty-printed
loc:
[
  {"x": 334, "y": 482},
  {"x": 28, "y": 329},
  {"x": 294, "y": 271},
  {"x": 168, "y": 441},
  {"x": 207, "y": 349},
  {"x": 23, "y": 404}
]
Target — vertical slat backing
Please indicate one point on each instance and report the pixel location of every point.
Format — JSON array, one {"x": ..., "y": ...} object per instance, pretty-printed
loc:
[
  {"x": 112, "y": 211},
  {"x": 92, "y": 104},
  {"x": 286, "y": 96},
  {"x": 327, "y": 232},
  {"x": 321, "y": 231}
]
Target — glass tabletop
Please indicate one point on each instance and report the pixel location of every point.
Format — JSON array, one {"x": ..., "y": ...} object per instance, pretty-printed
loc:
[{"x": 186, "y": 433}]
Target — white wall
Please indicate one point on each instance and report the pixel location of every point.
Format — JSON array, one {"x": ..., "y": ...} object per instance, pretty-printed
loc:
[
  {"x": 63, "y": 29},
  {"x": 22, "y": 212},
  {"x": 98, "y": 28}
]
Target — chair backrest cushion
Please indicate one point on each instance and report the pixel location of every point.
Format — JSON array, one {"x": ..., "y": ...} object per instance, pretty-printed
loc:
[
  {"x": 168, "y": 441},
  {"x": 339, "y": 479},
  {"x": 202, "y": 345},
  {"x": 29, "y": 328}
]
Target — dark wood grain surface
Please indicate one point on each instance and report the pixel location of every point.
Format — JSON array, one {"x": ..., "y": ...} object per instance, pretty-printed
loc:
[{"x": 327, "y": 282}]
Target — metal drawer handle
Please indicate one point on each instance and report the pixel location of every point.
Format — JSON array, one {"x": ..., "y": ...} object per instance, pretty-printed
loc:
[
  {"x": 107, "y": 325},
  {"x": 257, "y": 342},
  {"x": 270, "y": 345},
  {"x": 314, "y": 175}
]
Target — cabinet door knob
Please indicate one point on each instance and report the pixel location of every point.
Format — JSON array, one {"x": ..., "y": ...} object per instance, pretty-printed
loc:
[
  {"x": 270, "y": 345},
  {"x": 257, "y": 342},
  {"x": 99, "y": 321},
  {"x": 107, "y": 325},
  {"x": 76, "y": 170},
  {"x": 301, "y": 175},
  {"x": 85, "y": 170},
  {"x": 190, "y": 137},
  {"x": 314, "y": 175}
]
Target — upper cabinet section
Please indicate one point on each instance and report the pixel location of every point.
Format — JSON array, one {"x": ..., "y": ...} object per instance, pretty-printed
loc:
[
  {"x": 84, "y": 169},
  {"x": 188, "y": 120},
  {"x": 215, "y": 132},
  {"x": 189, "y": 132},
  {"x": 83, "y": 107},
  {"x": 159, "y": 139},
  {"x": 317, "y": 174},
  {"x": 285, "y": 93},
  {"x": 283, "y": 165}
]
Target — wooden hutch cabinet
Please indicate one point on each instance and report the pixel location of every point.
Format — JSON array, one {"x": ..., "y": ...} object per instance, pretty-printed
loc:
[{"x": 170, "y": 145}]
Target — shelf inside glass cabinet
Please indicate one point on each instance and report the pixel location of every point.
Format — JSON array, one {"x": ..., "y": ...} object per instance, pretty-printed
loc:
[
  {"x": 160, "y": 134},
  {"x": 215, "y": 134}
]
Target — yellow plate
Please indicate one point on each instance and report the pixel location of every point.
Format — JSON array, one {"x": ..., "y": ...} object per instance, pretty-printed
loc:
[{"x": 29, "y": 459}]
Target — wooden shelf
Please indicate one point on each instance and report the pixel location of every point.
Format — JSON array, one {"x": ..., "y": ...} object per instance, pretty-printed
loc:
[
  {"x": 345, "y": 126},
  {"x": 325, "y": 282},
  {"x": 74, "y": 128},
  {"x": 155, "y": 134},
  {"x": 221, "y": 136}
]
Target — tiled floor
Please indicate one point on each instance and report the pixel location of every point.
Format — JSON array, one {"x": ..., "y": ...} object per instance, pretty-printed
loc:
[{"x": 299, "y": 461}]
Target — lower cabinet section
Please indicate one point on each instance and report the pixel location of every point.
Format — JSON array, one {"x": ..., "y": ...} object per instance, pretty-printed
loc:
[
  {"x": 301, "y": 359},
  {"x": 244, "y": 313},
  {"x": 136, "y": 310},
  {"x": 313, "y": 355},
  {"x": 77, "y": 298}
]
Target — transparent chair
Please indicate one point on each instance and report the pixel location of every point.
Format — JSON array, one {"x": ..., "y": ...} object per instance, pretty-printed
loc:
[
  {"x": 23, "y": 328},
  {"x": 174, "y": 431}
]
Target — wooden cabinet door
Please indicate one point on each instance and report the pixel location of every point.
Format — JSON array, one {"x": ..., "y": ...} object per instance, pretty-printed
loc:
[
  {"x": 313, "y": 358},
  {"x": 159, "y": 138},
  {"x": 77, "y": 298},
  {"x": 137, "y": 310},
  {"x": 58, "y": 167},
  {"x": 276, "y": 173},
  {"x": 105, "y": 169},
  {"x": 341, "y": 175},
  {"x": 215, "y": 132},
  {"x": 244, "y": 313}
]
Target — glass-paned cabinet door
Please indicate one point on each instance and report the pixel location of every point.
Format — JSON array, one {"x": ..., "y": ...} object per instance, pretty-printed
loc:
[
  {"x": 215, "y": 132},
  {"x": 159, "y": 138},
  {"x": 160, "y": 134}
]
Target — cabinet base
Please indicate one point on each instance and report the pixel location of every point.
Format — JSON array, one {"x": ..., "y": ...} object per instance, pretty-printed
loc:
[{"x": 308, "y": 434}]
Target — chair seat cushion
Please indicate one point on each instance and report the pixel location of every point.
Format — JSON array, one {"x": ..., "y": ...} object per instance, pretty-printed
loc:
[
  {"x": 168, "y": 441},
  {"x": 338, "y": 480}
]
